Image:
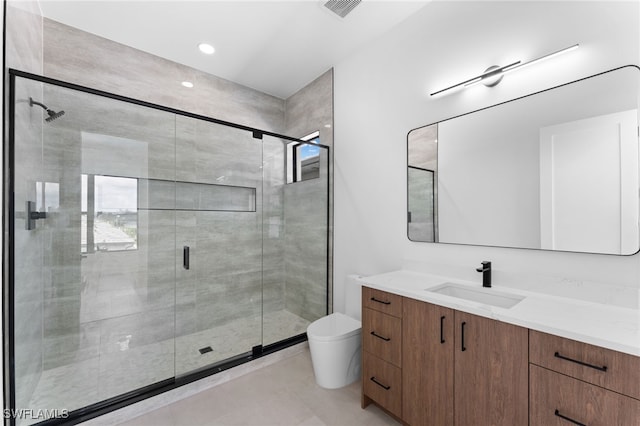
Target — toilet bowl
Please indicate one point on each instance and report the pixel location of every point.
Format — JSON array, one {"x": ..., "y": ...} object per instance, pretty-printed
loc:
[{"x": 335, "y": 342}]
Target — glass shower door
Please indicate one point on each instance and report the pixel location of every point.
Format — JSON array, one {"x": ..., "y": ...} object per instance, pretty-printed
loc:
[
  {"x": 147, "y": 244},
  {"x": 219, "y": 223},
  {"x": 94, "y": 253}
]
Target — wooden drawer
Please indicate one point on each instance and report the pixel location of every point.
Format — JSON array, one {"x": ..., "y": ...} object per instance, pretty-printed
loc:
[
  {"x": 622, "y": 370},
  {"x": 554, "y": 395},
  {"x": 382, "y": 382},
  {"x": 382, "y": 336},
  {"x": 382, "y": 301}
]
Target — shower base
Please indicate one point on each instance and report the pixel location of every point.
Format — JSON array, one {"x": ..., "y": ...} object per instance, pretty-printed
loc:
[{"x": 114, "y": 372}]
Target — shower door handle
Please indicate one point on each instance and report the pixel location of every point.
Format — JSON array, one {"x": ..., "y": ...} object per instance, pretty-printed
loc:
[{"x": 185, "y": 257}]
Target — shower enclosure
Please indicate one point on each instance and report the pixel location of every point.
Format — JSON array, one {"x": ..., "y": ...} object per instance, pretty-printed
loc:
[{"x": 148, "y": 247}]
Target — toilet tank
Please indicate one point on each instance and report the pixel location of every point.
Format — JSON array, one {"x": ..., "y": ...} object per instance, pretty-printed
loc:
[{"x": 353, "y": 296}]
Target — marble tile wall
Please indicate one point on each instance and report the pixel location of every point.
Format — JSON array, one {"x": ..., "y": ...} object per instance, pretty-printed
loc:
[
  {"x": 23, "y": 51},
  {"x": 306, "y": 245},
  {"x": 307, "y": 111},
  {"x": 86, "y": 59}
]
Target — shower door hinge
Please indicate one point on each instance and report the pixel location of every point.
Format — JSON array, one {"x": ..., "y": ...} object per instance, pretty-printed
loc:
[{"x": 257, "y": 134}]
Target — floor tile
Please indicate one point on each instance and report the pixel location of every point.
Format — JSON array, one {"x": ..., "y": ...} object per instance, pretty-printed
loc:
[{"x": 284, "y": 393}]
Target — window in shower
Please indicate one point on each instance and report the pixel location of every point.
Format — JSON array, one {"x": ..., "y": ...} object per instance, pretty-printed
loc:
[
  {"x": 303, "y": 159},
  {"x": 109, "y": 215}
]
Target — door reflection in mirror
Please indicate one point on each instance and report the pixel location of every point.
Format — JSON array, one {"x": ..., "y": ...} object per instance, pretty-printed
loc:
[{"x": 422, "y": 172}]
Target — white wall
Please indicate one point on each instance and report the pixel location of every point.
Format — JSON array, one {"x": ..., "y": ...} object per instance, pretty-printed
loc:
[
  {"x": 382, "y": 92},
  {"x": 479, "y": 201}
]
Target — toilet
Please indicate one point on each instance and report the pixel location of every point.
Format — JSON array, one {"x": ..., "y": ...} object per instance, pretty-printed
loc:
[{"x": 335, "y": 342}]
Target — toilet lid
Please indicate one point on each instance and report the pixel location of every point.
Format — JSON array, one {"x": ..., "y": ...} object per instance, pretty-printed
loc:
[{"x": 334, "y": 327}]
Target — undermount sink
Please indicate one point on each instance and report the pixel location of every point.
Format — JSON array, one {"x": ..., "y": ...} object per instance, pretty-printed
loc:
[{"x": 483, "y": 295}]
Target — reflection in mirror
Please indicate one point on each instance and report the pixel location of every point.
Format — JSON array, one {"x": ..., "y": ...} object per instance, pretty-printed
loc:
[
  {"x": 422, "y": 174},
  {"x": 555, "y": 170}
]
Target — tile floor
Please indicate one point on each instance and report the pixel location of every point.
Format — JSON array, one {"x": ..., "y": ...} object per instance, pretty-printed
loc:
[{"x": 284, "y": 393}]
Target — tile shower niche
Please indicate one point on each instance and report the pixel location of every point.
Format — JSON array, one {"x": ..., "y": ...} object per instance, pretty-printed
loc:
[{"x": 161, "y": 248}]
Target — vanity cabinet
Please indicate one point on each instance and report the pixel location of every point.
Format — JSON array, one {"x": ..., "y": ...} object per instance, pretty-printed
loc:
[
  {"x": 382, "y": 350},
  {"x": 427, "y": 356},
  {"x": 491, "y": 372},
  {"x": 426, "y": 364},
  {"x": 576, "y": 382},
  {"x": 462, "y": 369}
]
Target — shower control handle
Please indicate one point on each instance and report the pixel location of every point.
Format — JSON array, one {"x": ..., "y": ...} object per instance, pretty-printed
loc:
[
  {"x": 185, "y": 257},
  {"x": 32, "y": 215}
]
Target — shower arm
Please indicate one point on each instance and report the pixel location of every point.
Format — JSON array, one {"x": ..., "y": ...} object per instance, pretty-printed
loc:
[{"x": 32, "y": 103}]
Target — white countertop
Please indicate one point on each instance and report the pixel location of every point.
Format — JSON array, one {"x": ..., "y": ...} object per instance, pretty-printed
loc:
[{"x": 603, "y": 325}]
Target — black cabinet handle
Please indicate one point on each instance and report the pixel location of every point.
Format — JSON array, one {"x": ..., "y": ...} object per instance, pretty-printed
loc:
[
  {"x": 575, "y": 422},
  {"x": 442, "y": 329},
  {"x": 185, "y": 257},
  {"x": 381, "y": 301},
  {"x": 373, "y": 379},
  {"x": 603, "y": 368},
  {"x": 386, "y": 339},
  {"x": 462, "y": 348}
]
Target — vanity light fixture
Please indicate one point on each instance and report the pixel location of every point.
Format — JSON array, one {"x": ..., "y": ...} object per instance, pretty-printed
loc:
[
  {"x": 206, "y": 48},
  {"x": 493, "y": 75}
]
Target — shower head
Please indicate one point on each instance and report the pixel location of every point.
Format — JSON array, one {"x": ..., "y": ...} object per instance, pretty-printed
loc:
[{"x": 52, "y": 114}]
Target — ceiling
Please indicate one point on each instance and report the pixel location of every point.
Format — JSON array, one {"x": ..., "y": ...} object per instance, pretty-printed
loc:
[{"x": 276, "y": 47}]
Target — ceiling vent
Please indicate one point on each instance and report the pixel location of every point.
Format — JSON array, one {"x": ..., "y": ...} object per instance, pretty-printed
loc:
[{"x": 341, "y": 7}]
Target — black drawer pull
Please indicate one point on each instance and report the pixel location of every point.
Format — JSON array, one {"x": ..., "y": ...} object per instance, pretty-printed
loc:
[
  {"x": 569, "y": 419},
  {"x": 373, "y": 379},
  {"x": 462, "y": 348},
  {"x": 381, "y": 301},
  {"x": 603, "y": 368},
  {"x": 386, "y": 339},
  {"x": 442, "y": 329}
]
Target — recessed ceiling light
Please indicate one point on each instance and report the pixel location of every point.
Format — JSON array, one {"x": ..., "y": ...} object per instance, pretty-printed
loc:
[
  {"x": 206, "y": 48},
  {"x": 187, "y": 84}
]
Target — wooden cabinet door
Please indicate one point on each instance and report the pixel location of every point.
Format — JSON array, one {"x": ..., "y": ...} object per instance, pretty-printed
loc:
[
  {"x": 491, "y": 372},
  {"x": 427, "y": 364}
]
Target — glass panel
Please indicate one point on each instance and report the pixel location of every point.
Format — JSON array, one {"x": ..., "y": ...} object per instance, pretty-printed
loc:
[
  {"x": 219, "y": 311},
  {"x": 30, "y": 245},
  {"x": 95, "y": 310},
  {"x": 295, "y": 245}
]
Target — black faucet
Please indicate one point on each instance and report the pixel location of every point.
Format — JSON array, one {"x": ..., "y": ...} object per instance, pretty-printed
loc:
[{"x": 486, "y": 273}]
